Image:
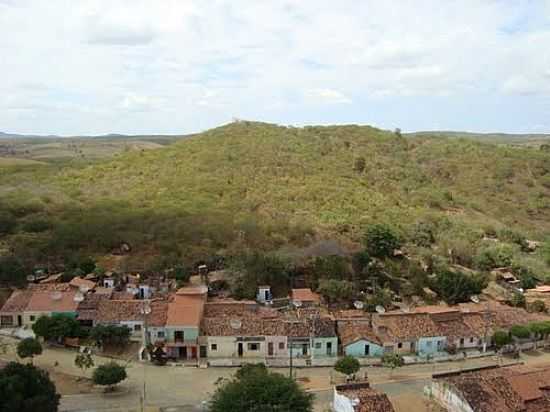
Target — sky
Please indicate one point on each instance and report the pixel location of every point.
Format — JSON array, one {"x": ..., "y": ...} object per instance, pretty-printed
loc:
[{"x": 74, "y": 67}]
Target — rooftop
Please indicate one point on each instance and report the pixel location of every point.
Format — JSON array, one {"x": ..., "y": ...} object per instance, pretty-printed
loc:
[
  {"x": 185, "y": 309},
  {"x": 119, "y": 310},
  {"x": 52, "y": 301},
  {"x": 82, "y": 283},
  {"x": 18, "y": 301},
  {"x": 503, "y": 389},
  {"x": 366, "y": 398},
  {"x": 305, "y": 295},
  {"x": 354, "y": 330}
]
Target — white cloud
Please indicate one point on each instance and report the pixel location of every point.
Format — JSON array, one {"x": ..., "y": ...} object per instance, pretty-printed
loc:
[
  {"x": 280, "y": 61},
  {"x": 329, "y": 96}
]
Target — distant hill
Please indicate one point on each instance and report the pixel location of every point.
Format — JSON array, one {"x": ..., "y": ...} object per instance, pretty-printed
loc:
[
  {"x": 250, "y": 185},
  {"x": 507, "y": 138}
]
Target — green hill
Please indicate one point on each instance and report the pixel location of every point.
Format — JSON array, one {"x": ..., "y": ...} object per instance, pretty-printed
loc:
[{"x": 250, "y": 185}]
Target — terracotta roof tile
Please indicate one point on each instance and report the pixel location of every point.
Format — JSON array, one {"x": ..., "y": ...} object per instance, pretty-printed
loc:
[
  {"x": 52, "y": 301},
  {"x": 82, "y": 283},
  {"x": 114, "y": 311},
  {"x": 185, "y": 310},
  {"x": 17, "y": 302},
  {"x": 305, "y": 295},
  {"x": 352, "y": 331},
  {"x": 368, "y": 399}
]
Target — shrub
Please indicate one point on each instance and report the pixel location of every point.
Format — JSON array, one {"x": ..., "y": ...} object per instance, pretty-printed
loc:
[
  {"x": 519, "y": 331},
  {"x": 456, "y": 287},
  {"x": 347, "y": 365},
  {"x": 381, "y": 240},
  {"x": 360, "y": 164},
  {"x": 518, "y": 300},
  {"x": 109, "y": 374},
  {"x": 110, "y": 334},
  {"x": 28, "y": 348},
  {"x": 57, "y": 327},
  {"x": 392, "y": 360},
  {"x": 496, "y": 256},
  {"x": 501, "y": 338},
  {"x": 537, "y": 306},
  {"x": 336, "y": 290},
  {"x": 8, "y": 222}
]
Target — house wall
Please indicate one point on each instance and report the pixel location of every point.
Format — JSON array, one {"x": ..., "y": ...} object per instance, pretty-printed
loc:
[
  {"x": 277, "y": 352},
  {"x": 405, "y": 349},
  {"x": 189, "y": 333},
  {"x": 431, "y": 345},
  {"x": 467, "y": 344},
  {"x": 226, "y": 347},
  {"x": 357, "y": 349},
  {"x": 136, "y": 334},
  {"x": 446, "y": 396},
  {"x": 319, "y": 347},
  {"x": 11, "y": 315},
  {"x": 153, "y": 333},
  {"x": 28, "y": 315}
]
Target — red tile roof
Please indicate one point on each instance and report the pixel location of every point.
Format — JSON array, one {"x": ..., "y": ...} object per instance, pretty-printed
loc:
[
  {"x": 52, "y": 301},
  {"x": 305, "y": 295},
  {"x": 17, "y": 302},
  {"x": 114, "y": 311},
  {"x": 185, "y": 310},
  {"x": 368, "y": 399},
  {"x": 82, "y": 283},
  {"x": 352, "y": 331}
]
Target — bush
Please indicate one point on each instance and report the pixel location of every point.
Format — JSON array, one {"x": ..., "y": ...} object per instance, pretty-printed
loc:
[
  {"x": 12, "y": 271},
  {"x": 109, "y": 374},
  {"x": 496, "y": 256},
  {"x": 423, "y": 234},
  {"x": 392, "y": 360},
  {"x": 381, "y": 240},
  {"x": 457, "y": 287},
  {"x": 537, "y": 306},
  {"x": 518, "y": 300},
  {"x": 336, "y": 290},
  {"x": 25, "y": 388},
  {"x": 347, "y": 365},
  {"x": 8, "y": 222},
  {"x": 501, "y": 338},
  {"x": 28, "y": 347},
  {"x": 519, "y": 331}
]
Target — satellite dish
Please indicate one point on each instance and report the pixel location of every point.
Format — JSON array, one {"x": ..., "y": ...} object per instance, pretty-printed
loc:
[
  {"x": 78, "y": 297},
  {"x": 235, "y": 323},
  {"x": 358, "y": 304},
  {"x": 380, "y": 309},
  {"x": 474, "y": 299},
  {"x": 297, "y": 303},
  {"x": 56, "y": 295}
]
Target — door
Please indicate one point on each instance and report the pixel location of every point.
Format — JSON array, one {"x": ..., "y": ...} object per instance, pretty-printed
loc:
[
  {"x": 240, "y": 349},
  {"x": 178, "y": 336},
  {"x": 183, "y": 352},
  {"x": 193, "y": 352},
  {"x": 367, "y": 350},
  {"x": 304, "y": 349},
  {"x": 270, "y": 349},
  {"x": 202, "y": 351},
  {"x": 329, "y": 348},
  {"x": 19, "y": 320}
]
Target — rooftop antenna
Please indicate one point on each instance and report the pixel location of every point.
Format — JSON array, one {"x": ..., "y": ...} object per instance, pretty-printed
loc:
[
  {"x": 380, "y": 309},
  {"x": 358, "y": 304}
]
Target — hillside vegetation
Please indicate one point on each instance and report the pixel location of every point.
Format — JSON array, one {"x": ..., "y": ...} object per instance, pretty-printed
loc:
[{"x": 261, "y": 187}]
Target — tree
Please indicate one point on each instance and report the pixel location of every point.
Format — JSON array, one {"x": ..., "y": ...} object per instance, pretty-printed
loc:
[
  {"x": 336, "y": 290},
  {"x": 25, "y": 388},
  {"x": 8, "y": 222},
  {"x": 520, "y": 332},
  {"x": 360, "y": 262},
  {"x": 456, "y": 287},
  {"x": 57, "y": 327},
  {"x": 28, "y": 348},
  {"x": 255, "y": 389},
  {"x": 111, "y": 334},
  {"x": 348, "y": 365},
  {"x": 330, "y": 267},
  {"x": 392, "y": 360},
  {"x": 84, "y": 361},
  {"x": 109, "y": 374},
  {"x": 381, "y": 297},
  {"x": 381, "y": 240},
  {"x": 12, "y": 271},
  {"x": 501, "y": 339}
]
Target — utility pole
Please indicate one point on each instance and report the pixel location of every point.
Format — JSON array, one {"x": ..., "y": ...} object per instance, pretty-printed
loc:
[
  {"x": 145, "y": 310},
  {"x": 290, "y": 349}
]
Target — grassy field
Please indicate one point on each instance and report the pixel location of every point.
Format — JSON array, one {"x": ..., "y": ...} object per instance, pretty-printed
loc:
[{"x": 256, "y": 185}]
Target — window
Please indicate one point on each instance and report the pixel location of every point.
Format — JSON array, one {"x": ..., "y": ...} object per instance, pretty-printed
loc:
[
  {"x": 318, "y": 345},
  {"x": 399, "y": 345},
  {"x": 461, "y": 341},
  {"x": 33, "y": 318},
  {"x": 281, "y": 345},
  {"x": 160, "y": 334},
  {"x": 253, "y": 346},
  {"x": 6, "y": 320},
  {"x": 471, "y": 340},
  {"x": 214, "y": 347},
  {"x": 137, "y": 328}
]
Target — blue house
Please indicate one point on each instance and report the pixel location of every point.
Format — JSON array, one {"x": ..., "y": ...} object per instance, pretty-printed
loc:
[{"x": 358, "y": 339}]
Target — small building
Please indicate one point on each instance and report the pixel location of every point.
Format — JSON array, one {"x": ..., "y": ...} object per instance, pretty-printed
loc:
[
  {"x": 264, "y": 294},
  {"x": 183, "y": 320},
  {"x": 304, "y": 297},
  {"x": 50, "y": 299},
  {"x": 128, "y": 313},
  {"x": 83, "y": 285},
  {"x": 358, "y": 339},
  {"x": 490, "y": 389},
  {"x": 360, "y": 397},
  {"x": 11, "y": 314}
]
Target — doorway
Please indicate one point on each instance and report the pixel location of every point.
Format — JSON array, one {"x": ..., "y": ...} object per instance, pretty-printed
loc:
[
  {"x": 270, "y": 349},
  {"x": 183, "y": 352},
  {"x": 329, "y": 348},
  {"x": 304, "y": 349},
  {"x": 240, "y": 349},
  {"x": 202, "y": 351},
  {"x": 19, "y": 320}
]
